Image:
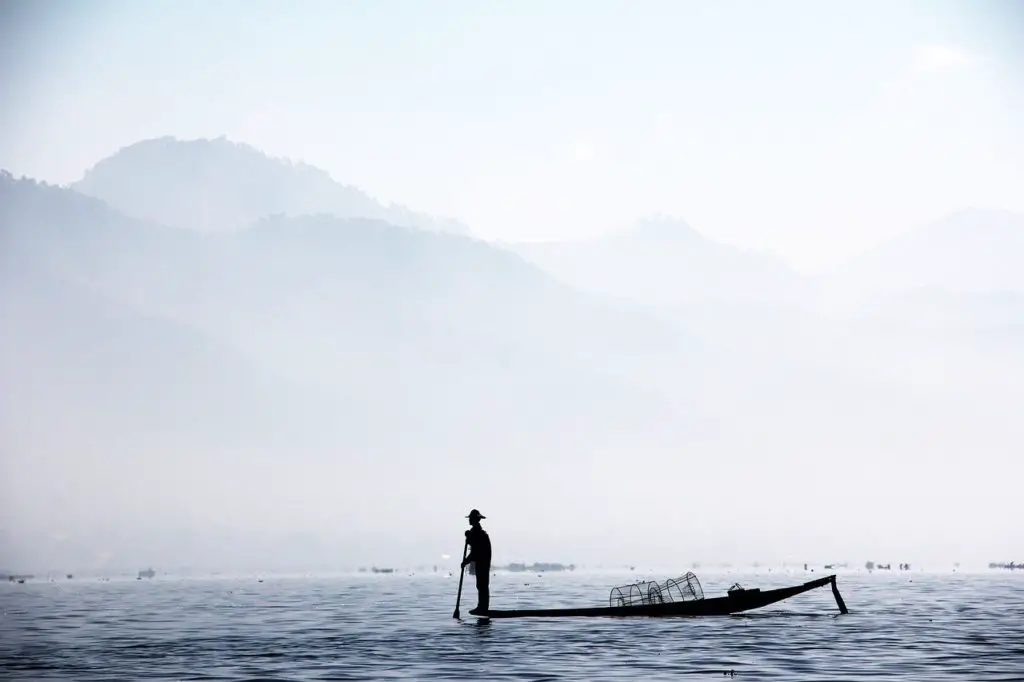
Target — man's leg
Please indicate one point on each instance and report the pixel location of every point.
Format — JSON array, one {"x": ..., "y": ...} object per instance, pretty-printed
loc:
[{"x": 483, "y": 588}]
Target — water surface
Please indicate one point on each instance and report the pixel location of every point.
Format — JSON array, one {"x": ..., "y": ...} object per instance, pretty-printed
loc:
[{"x": 901, "y": 626}]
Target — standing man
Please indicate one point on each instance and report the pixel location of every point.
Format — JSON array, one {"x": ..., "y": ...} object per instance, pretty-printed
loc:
[{"x": 480, "y": 554}]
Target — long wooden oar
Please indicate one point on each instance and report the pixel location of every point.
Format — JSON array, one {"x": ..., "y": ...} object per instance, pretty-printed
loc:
[
  {"x": 462, "y": 574},
  {"x": 839, "y": 598}
]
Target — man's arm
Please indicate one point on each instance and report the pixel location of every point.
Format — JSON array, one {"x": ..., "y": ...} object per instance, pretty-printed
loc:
[{"x": 470, "y": 558}]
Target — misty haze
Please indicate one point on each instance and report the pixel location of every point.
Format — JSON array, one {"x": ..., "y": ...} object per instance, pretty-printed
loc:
[{"x": 265, "y": 310}]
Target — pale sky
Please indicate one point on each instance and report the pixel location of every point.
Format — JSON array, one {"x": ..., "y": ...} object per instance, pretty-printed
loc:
[{"x": 813, "y": 129}]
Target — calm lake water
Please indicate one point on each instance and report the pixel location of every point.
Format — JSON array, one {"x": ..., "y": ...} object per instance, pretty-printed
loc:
[{"x": 901, "y": 626}]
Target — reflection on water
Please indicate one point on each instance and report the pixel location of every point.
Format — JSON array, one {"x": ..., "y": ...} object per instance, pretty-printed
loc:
[{"x": 901, "y": 626}]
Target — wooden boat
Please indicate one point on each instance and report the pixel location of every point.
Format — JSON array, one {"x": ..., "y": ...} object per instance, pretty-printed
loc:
[{"x": 680, "y": 597}]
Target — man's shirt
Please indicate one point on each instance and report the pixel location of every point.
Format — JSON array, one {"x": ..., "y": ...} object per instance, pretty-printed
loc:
[{"x": 481, "y": 544}]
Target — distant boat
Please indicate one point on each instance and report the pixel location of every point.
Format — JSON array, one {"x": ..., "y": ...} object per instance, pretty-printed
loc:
[
  {"x": 148, "y": 573},
  {"x": 382, "y": 570},
  {"x": 18, "y": 578},
  {"x": 539, "y": 567},
  {"x": 1012, "y": 566}
]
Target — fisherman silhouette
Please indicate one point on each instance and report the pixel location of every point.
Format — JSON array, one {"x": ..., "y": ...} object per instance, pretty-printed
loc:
[{"x": 480, "y": 554}]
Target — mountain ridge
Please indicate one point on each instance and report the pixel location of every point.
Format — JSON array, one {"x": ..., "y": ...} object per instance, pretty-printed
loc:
[
  {"x": 221, "y": 185},
  {"x": 666, "y": 261}
]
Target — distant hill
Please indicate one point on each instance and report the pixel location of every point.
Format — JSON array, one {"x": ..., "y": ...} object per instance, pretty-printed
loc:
[
  {"x": 90, "y": 338},
  {"x": 968, "y": 251},
  {"x": 665, "y": 261},
  {"x": 421, "y": 328},
  {"x": 219, "y": 185}
]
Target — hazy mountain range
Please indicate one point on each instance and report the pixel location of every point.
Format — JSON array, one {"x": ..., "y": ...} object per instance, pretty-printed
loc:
[{"x": 201, "y": 342}]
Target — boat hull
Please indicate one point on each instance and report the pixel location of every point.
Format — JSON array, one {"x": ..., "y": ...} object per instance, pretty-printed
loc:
[{"x": 736, "y": 602}]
